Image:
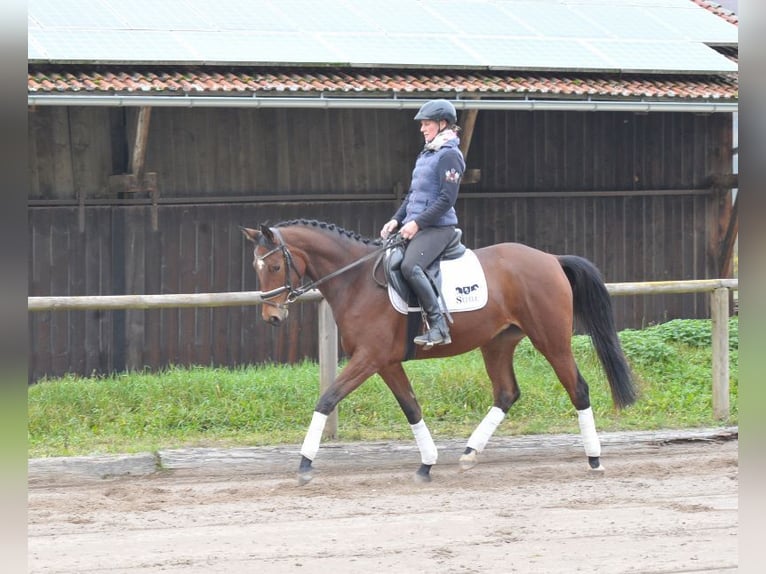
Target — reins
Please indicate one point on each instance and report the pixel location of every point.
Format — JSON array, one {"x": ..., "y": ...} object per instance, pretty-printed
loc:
[{"x": 294, "y": 293}]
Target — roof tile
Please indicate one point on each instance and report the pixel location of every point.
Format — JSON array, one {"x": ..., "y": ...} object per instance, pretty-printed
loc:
[
  {"x": 375, "y": 83},
  {"x": 718, "y": 10}
]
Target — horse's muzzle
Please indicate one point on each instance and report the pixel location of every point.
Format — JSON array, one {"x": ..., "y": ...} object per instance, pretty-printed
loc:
[{"x": 275, "y": 317}]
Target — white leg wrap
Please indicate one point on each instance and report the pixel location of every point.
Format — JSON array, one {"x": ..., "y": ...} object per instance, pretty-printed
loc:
[
  {"x": 486, "y": 429},
  {"x": 313, "y": 436},
  {"x": 428, "y": 453},
  {"x": 588, "y": 432}
]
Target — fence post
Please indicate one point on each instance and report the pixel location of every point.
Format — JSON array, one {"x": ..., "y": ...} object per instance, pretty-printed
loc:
[
  {"x": 328, "y": 361},
  {"x": 719, "y": 313}
]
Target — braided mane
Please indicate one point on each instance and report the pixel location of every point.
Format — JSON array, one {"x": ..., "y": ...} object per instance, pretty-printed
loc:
[{"x": 331, "y": 227}]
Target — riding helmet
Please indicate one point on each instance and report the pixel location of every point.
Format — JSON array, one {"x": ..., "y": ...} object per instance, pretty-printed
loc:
[{"x": 437, "y": 110}]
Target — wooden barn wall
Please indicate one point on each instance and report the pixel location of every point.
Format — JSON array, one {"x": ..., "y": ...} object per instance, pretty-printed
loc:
[{"x": 219, "y": 169}]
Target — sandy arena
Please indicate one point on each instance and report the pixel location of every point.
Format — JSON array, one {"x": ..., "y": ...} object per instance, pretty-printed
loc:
[{"x": 667, "y": 503}]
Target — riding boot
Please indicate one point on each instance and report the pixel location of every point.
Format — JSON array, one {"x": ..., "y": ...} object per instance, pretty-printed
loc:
[{"x": 438, "y": 332}]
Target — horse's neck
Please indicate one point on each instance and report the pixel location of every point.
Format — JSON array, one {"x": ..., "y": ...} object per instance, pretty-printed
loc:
[{"x": 328, "y": 256}]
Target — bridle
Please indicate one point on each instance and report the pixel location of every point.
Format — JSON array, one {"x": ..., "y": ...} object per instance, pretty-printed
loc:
[
  {"x": 294, "y": 292},
  {"x": 289, "y": 262}
]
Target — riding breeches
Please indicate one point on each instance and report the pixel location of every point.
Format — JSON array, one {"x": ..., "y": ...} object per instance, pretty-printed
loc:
[{"x": 425, "y": 247}]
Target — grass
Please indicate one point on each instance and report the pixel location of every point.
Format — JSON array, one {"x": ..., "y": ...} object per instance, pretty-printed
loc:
[{"x": 272, "y": 404}]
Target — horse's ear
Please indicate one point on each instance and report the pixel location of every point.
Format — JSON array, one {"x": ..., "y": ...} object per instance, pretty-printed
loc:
[
  {"x": 267, "y": 232},
  {"x": 250, "y": 234}
]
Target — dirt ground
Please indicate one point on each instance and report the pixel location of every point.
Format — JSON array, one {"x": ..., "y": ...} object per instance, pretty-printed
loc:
[{"x": 666, "y": 504}]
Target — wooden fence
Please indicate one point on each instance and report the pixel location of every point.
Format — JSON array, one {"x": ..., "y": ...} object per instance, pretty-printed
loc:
[{"x": 719, "y": 290}]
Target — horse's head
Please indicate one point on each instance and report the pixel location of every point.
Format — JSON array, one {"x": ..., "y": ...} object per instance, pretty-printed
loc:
[{"x": 276, "y": 270}]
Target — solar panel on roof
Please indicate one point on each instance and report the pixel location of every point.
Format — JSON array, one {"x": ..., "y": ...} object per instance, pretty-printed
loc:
[
  {"x": 478, "y": 18},
  {"x": 626, "y": 22},
  {"x": 75, "y": 14},
  {"x": 111, "y": 46},
  {"x": 524, "y": 34},
  {"x": 647, "y": 3},
  {"x": 399, "y": 49},
  {"x": 552, "y": 19},
  {"x": 162, "y": 15},
  {"x": 651, "y": 56},
  {"x": 246, "y": 47},
  {"x": 537, "y": 53},
  {"x": 324, "y": 16},
  {"x": 700, "y": 26},
  {"x": 252, "y": 15},
  {"x": 641, "y": 22},
  {"x": 34, "y": 51},
  {"x": 406, "y": 17}
]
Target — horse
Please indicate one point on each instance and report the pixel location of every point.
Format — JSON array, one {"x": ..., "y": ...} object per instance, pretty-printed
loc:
[{"x": 531, "y": 293}]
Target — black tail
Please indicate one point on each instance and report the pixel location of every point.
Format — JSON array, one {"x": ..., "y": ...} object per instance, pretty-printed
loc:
[{"x": 593, "y": 309}]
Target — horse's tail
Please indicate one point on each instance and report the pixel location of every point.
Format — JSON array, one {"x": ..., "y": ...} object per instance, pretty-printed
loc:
[{"x": 593, "y": 309}]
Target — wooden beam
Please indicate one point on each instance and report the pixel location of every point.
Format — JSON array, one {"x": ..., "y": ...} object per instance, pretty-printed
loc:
[
  {"x": 719, "y": 312},
  {"x": 724, "y": 180},
  {"x": 328, "y": 362},
  {"x": 729, "y": 240},
  {"x": 139, "y": 146},
  {"x": 469, "y": 121}
]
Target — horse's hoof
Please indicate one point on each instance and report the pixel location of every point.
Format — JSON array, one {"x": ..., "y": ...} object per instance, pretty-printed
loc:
[
  {"x": 304, "y": 478},
  {"x": 594, "y": 465},
  {"x": 305, "y": 471},
  {"x": 422, "y": 478},
  {"x": 468, "y": 461},
  {"x": 423, "y": 474}
]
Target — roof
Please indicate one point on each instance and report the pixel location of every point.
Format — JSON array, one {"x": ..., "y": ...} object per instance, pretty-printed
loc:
[
  {"x": 720, "y": 10},
  {"x": 537, "y": 78},
  {"x": 391, "y": 83}
]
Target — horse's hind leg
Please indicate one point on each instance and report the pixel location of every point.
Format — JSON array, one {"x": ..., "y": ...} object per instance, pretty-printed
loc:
[
  {"x": 564, "y": 365},
  {"x": 397, "y": 380},
  {"x": 498, "y": 360}
]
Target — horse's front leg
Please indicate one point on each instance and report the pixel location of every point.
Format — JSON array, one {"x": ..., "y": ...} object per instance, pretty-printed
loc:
[
  {"x": 354, "y": 374},
  {"x": 397, "y": 380}
]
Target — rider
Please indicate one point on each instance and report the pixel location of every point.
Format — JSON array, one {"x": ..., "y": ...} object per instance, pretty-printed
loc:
[{"x": 427, "y": 216}]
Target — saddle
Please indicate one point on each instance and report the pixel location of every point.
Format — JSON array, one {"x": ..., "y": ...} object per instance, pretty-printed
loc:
[{"x": 392, "y": 262}]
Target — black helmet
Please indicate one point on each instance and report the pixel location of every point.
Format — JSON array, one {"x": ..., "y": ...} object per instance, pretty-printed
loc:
[{"x": 437, "y": 110}]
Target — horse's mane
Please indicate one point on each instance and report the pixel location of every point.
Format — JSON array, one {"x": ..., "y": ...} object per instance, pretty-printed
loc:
[{"x": 330, "y": 227}]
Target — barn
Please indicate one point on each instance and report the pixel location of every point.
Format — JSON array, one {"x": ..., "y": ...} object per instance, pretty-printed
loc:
[{"x": 598, "y": 128}]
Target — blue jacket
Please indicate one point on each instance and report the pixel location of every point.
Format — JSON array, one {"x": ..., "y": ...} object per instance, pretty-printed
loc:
[{"x": 434, "y": 186}]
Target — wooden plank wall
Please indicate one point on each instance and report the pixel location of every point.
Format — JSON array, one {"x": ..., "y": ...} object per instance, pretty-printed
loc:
[
  {"x": 245, "y": 152},
  {"x": 547, "y": 180}
]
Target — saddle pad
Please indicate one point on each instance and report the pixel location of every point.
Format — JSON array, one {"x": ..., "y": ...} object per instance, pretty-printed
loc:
[{"x": 464, "y": 286}]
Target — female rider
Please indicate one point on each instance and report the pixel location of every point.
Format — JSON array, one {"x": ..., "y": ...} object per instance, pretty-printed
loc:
[{"x": 427, "y": 216}]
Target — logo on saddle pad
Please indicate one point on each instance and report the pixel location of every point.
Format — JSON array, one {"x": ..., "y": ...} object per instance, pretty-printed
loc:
[
  {"x": 463, "y": 286},
  {"x": 467, "y": 294}
]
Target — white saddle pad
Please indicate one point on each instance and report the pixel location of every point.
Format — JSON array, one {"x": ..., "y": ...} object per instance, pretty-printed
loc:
[{"x": 464, "y": 286}]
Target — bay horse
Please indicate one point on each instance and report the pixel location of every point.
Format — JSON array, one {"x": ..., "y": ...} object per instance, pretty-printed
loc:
[{"x": 531, "y": 293}]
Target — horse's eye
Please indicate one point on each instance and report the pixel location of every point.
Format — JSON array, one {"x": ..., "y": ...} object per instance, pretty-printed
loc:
[{"x": 274, "y": 268}]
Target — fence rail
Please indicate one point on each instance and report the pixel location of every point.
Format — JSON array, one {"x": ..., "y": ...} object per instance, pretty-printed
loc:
[
  {"x": 719, "y": 290},
  {"x": 154, "y": 301}
]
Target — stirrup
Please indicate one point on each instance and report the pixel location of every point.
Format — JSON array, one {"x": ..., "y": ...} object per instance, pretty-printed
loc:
[{"x": 426, "y": 342}]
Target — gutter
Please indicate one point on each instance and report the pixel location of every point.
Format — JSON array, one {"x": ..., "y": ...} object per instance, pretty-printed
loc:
[{"x": 157, "y": 101}]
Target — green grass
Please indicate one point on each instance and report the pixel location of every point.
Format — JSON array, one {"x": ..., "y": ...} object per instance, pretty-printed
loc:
[{"x": 272, "y": 404}]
